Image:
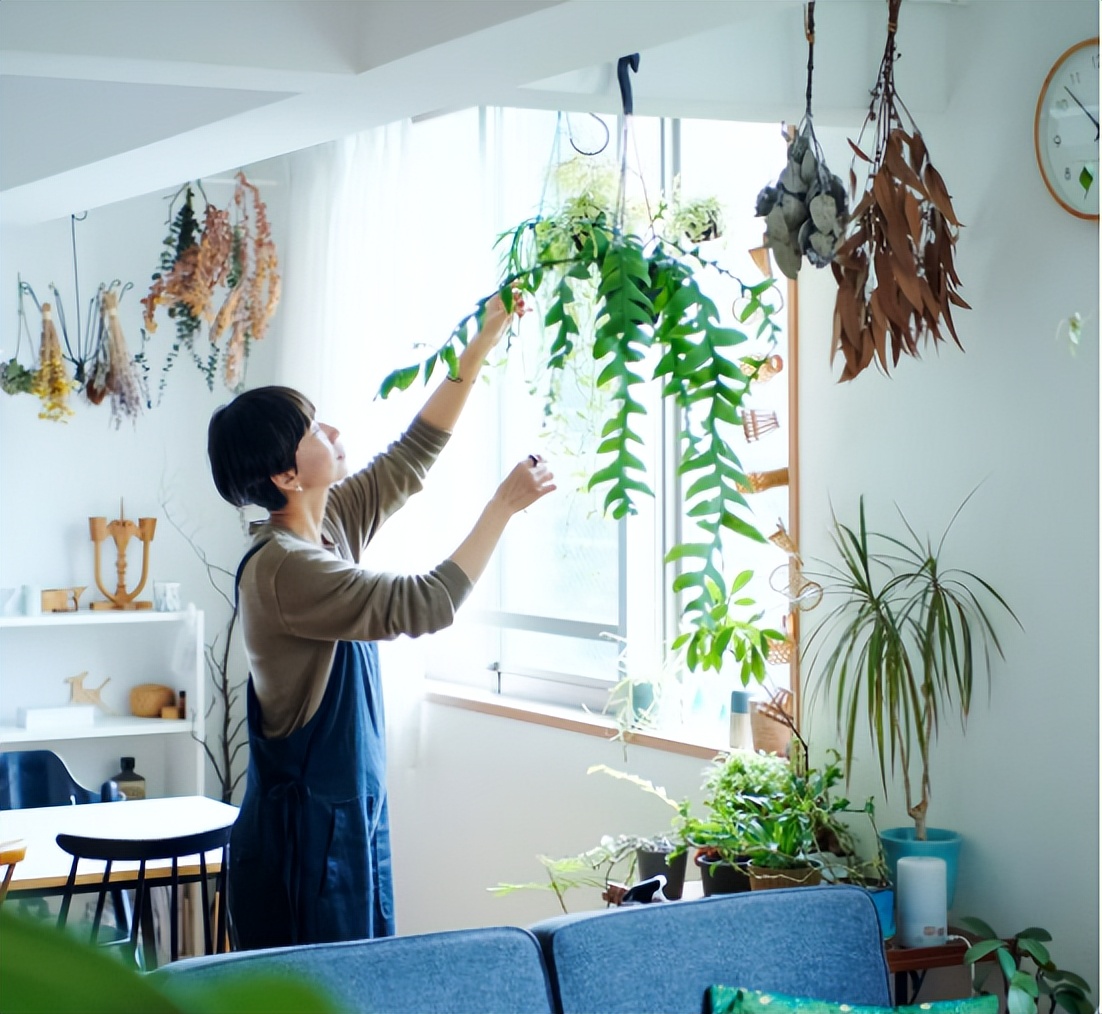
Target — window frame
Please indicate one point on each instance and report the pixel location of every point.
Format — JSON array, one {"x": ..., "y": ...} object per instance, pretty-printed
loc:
[{"x": 530, "y": 687}]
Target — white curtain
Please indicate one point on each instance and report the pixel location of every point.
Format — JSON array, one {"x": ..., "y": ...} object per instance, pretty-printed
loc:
[{"x": 344, "y": 286}]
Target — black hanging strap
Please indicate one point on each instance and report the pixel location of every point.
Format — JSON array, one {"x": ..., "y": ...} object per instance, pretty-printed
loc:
[{"x": 624, "y": 78}]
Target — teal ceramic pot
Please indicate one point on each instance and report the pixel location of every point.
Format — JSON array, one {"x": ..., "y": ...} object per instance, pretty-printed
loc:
[{"x": 940, "y": 844}]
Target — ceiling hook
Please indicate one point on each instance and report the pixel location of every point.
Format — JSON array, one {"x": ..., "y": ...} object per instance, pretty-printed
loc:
[{"x": 624, "y": 78}]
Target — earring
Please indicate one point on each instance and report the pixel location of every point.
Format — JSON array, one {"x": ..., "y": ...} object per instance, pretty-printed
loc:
[{"x": 298, "y": 489}]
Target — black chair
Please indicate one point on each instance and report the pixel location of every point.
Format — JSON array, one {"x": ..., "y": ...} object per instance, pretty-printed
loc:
[
  {"x": 31, "y": 778},
  {"x": 112, "y": 850}
]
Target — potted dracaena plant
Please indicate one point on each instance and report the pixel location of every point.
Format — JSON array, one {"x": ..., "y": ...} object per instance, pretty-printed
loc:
[
  {"x": 899, "y": 650},
  {"x": 644, "y": 299}
]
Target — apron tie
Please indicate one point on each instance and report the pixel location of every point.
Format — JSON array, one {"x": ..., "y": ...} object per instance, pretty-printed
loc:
[{"x": 288, "y": 800}]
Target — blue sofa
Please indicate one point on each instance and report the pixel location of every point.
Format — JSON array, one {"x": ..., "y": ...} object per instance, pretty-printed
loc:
[{"x": 809, "y": 941}]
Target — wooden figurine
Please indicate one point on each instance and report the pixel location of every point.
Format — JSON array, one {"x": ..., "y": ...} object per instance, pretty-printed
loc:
[{"x": 80, "y": 694}]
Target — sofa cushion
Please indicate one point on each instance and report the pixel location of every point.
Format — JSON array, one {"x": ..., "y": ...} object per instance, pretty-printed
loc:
[
  {"x": 806, "y": 941},
  {"x": 494, "y": 969},
  {"x": 731, "y": 1000}
]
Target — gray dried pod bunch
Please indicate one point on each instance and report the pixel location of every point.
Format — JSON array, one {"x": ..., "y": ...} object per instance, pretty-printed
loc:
[{"x": 805, "y": 210}]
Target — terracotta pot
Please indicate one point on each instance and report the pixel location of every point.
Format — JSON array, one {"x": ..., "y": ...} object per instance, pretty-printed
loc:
[{"x": 763, "y": 879}]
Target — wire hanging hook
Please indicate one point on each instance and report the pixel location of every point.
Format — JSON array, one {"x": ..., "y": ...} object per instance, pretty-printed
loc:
[{"x": 574, "y": 144}]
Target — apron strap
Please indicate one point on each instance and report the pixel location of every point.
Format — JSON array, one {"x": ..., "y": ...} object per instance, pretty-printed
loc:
[{"x": 241, "y": 567}]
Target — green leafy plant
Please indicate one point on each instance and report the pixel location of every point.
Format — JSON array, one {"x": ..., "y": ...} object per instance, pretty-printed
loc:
[
  {"x": 595, "y": 867},
  {"x": 901, "y": 647},
  {"x": 1029, "y": 974},
  {"x": 43, "y": 969},
  {"x": 764, "y": 810},
  {"x": 652, "y": 323}
]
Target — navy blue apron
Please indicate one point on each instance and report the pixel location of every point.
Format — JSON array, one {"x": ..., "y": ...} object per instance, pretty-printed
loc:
[{"x": 310, "y": 850}]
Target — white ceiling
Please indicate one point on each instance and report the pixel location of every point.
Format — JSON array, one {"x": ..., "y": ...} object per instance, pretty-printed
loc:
[{"x": 101, "y": 100}]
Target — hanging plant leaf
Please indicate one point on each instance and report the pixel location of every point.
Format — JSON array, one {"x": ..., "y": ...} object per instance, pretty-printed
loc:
[{"x": 894, "y": 269}]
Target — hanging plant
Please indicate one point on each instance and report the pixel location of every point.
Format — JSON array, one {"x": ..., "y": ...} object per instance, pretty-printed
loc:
[
  {"x": 805, "y": 210},
  {"x": 693, "y": 221},
  {"x": 643, "y": 292},
  {"x": 197, "y": 262},
  {"x": 895, "y": 273},
  {"x": 15, "y": 378}
]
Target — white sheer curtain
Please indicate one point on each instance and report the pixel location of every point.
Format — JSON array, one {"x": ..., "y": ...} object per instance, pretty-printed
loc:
[{"x": 388, "y": 247}]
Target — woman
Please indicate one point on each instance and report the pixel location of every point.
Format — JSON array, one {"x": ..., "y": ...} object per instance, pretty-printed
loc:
[{"x": 310, "y": 853}]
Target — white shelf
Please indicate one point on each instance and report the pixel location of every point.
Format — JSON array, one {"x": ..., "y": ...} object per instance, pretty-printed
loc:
[
  {"x": 96, "y": 616},
  {"x": 107, "y": 726}
]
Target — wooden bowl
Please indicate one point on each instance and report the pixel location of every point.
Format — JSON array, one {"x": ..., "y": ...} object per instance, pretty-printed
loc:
[{"x": 147, "y": 700}]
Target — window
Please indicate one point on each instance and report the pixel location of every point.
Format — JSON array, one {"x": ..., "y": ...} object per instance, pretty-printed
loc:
[{"x": 569, "y": 588}]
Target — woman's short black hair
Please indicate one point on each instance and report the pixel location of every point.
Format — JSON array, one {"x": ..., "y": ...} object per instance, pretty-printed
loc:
[{"x": 253, "y": 438}]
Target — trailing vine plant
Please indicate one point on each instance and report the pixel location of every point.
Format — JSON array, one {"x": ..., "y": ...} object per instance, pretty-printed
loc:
[{"x": 647, "y": 305}]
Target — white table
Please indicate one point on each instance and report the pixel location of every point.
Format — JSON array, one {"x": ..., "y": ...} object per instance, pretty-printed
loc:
[{"x": 46, "y": 866}]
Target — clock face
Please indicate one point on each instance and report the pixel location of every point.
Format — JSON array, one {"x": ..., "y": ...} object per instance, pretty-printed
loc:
[{"x": 1065, "y": 130}]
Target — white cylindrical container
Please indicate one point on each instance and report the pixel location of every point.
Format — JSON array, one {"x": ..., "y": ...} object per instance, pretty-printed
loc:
[
  {"x": 921, "y": 894},
  {"x": 32, "y": 600},
  {"x": 742, "y": 737}
]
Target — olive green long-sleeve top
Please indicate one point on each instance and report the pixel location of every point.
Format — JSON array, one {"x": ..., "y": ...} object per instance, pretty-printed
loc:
[{"x": 298, "y": 599}]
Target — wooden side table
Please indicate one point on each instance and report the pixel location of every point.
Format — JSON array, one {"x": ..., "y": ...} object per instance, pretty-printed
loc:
[{"x": 910, "y": 964}]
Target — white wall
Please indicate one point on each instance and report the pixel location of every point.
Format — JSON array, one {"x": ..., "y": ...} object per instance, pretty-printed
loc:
[
  {"x": 1018, "y": 414},
  {"x": 54, "y": 476}
]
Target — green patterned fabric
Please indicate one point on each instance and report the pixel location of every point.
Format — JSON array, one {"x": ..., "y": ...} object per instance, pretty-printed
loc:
[{"x": 735, "y": 1000}]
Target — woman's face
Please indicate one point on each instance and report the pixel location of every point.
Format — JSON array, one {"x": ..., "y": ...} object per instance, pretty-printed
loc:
[{"x": 319, "y": 459}]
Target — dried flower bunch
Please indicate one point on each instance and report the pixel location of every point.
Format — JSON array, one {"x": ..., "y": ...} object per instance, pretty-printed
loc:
[
  {"x": 235, "y": 252},
  {"x": 51, "y": 383},
  {"x": 115, "y": 373},
  {"x": 100, "y": 362},
  {"x": 895, "y": 273}
]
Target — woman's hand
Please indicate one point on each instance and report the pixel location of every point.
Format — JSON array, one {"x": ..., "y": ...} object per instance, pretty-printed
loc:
[
  {"x": 496, "y": 319},
  {"x": 529, "y": 481},
  {"x": 524, "y": 485}
]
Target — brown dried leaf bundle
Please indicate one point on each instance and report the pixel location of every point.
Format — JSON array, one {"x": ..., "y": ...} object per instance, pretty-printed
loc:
[{"x": 896, "y": 279}]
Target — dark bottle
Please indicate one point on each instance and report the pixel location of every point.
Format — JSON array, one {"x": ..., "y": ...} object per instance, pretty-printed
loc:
[{"x": 130, "y": 783}]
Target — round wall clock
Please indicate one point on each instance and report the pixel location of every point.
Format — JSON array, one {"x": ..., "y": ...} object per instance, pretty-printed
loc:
[{"x": 1065, "y": 130}]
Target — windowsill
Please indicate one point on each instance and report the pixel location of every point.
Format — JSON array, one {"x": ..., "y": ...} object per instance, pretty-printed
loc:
[{"x": 572, "y": 720}]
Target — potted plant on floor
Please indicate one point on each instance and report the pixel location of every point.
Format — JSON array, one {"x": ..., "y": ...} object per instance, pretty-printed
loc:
[
  {"x": 1029, "y": 975},
  {"x": 900, "y": 650}
]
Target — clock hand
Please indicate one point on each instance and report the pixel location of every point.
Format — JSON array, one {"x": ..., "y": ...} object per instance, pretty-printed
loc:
[{"x": 1085, "y": 110}]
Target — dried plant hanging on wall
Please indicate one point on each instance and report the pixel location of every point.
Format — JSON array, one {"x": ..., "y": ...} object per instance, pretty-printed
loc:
[
  {"x": 805, "y": 210},
  {"x": 895, "y": 274},
  {"x": 93, "y": 348},
  {"x": 231, "y": 250}
]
